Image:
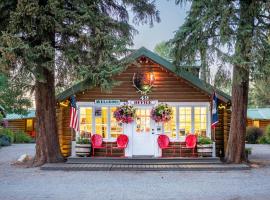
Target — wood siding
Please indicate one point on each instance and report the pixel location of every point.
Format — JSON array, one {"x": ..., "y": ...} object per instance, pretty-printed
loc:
[
  {"x": 17, "y": 125},
  {"x": 64, "y": 132},
  {"x": 167, "y": 88},
  {"x": 222, "y": 129},
  {"x": 262, "y": 123}
]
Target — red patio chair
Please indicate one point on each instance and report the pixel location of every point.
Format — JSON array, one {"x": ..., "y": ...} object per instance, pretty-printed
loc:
[
  {"x": 163, "y": 143},
  {"x": 122, "y": 142},
  {"x": 97, "y": 143},
  {"x": 191, "y": 142}
]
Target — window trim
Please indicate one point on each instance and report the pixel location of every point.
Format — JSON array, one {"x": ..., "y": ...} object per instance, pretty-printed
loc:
[
  {"x": 93, "y": 105},
  {"x": 192, "y": 105},
  {"x": 175, "y": 104}
]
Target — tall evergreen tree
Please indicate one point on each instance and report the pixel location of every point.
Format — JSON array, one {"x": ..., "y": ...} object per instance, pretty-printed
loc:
[
  {"x": 48, "y": 39},
  {"x": 259, "y": 94},
  {"x": 238, "y": 31},
  {"x": 164, "y": 49},
  {"x": 190, "y": 44},
  {"x": 12, "y": 95},
  {"x": 223, "y": 79}
]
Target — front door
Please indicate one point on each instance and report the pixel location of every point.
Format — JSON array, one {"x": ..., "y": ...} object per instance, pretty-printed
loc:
[{"x": 143, "y": 134}]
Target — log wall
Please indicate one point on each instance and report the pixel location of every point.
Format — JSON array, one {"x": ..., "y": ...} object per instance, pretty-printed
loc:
[
  {"x": 167, "y": 88},
  {"x": 17, "y": 125},
  {"x": 262, "y": 123},
  {"x": 222, "y": 129},
  {"x": 64, "y": 132}
]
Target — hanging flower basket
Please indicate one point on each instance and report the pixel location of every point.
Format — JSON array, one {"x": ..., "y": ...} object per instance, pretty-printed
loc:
[
  {"x": 161, "y": 113},
  {"x": 125, "y": 114}
]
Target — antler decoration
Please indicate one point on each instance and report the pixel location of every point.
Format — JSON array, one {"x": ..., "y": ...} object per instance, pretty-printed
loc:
[{"x": 144, "y": 89}]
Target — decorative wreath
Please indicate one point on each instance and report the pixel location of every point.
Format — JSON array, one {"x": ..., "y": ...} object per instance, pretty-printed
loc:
[
  {"x": 161, "y": 113},
  {"x": 125, "y": 114}
]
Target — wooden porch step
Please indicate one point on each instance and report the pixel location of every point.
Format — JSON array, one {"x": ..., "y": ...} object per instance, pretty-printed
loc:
[
  {"x": 142, "y": 160},
  {"x": 144, "y": 167}
]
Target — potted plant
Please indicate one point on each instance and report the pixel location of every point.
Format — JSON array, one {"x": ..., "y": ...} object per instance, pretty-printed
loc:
[
  {"x": 248, "y": 152},
  {"x": 83, "y": 146},
  {"x": 205, "y": 146},
  {"x": 125, "y": 114},
  {"x": 161, "y": 113}
]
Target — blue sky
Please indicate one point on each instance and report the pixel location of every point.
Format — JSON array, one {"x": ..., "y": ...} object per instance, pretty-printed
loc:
[{"x": 172, "y": 17}]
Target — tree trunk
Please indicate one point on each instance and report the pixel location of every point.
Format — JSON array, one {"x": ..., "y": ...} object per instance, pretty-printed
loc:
[
  {"x": 204, "y": 66},
  {"x": 235, "y": 152},
  {"x": 47, "y": 142}
]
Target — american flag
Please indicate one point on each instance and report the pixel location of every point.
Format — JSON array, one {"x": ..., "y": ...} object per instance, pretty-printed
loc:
[{"x": 74, "y": 119}]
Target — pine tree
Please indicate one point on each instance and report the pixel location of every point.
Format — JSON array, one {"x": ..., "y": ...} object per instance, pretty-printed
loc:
[
  {"x": 12, "y": 95},
  {"x": 238, "y": 31},
  {"x": 190, "y": 44},
  {"x": 52, "y": 40},
  {"x": 164, "y": 49}
]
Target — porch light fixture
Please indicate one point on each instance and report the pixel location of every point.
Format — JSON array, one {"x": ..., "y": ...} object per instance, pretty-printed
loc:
[
  {"x": 151, "y": 77},
  {"x": 64, "y": 103}
]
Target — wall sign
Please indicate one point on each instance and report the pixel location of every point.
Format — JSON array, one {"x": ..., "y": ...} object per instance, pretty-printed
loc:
[
  {"x": 107, "y": 101},
  {"x": 98, "y": 112},
  {"x": 143, "y": 102}
]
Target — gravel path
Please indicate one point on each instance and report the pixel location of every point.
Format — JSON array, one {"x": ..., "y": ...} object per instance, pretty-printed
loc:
[{"x": 32, "y": 183}]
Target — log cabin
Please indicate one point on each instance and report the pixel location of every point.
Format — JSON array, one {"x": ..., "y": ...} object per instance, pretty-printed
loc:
[
  {"x": 258, "y": 117},
  {"x": 189, "y": 97},
  {"x": 24, "y": 123}
]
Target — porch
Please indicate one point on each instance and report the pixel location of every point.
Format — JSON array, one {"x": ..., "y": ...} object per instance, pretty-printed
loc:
[
  {"x": 143, "y": 133},
  {"x": 143, "y": 164},
  {"x": 175, "y": 150}
]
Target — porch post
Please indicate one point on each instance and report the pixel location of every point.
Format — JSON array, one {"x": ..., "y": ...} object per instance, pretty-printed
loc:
[{"x": 214, "y": 149}]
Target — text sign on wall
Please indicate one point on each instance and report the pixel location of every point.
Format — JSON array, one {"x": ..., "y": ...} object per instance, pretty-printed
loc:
[
  {"x": 107, "y": 101},
  {"x": 143, "y": 102}
]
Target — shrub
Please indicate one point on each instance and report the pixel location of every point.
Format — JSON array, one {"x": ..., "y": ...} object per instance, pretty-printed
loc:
[
  {"x": 265, "y": 139},
  {"x": 267, "y": 131},
  {"x": 204, "y": 140},
  {"x": 8, "y": 133},
  {"x": 82, "y": 140},
  {"x": 248, "y": 151},
  {"x": 253, "y": 134},
  {"x": 22, "y": 137},
  {"x": 4, "y": 140}
]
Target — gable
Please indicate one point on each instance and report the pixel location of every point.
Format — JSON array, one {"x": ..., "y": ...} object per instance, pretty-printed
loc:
[
  {"x": 182, "y": 76},
  {"x": 167, "y": 87}
]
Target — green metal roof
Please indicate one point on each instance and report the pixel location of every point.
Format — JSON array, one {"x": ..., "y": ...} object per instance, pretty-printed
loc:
[
  {"x": 166, "y": 64},
  {"x": 13, "y": 116},
  {"x": 258, "y": 113}
]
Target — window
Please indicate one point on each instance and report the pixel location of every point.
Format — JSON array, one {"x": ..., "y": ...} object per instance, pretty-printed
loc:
[
  {"x": 170, "y": 127},
  {"x": 143, "y": 120},
  {"x": 184, "y": 120},
  {"x": 101, "y": 119},
  {"x": 115, "y": 127},
  {"x": 200, "y": 121},
  {"x": 29, "y": 125},
  {"x": 86, "y": 121},
  {"x": 256, "y": 123}
]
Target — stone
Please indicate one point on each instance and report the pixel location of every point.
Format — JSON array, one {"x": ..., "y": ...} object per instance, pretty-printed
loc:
[{"x": 24, "y": 158}]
